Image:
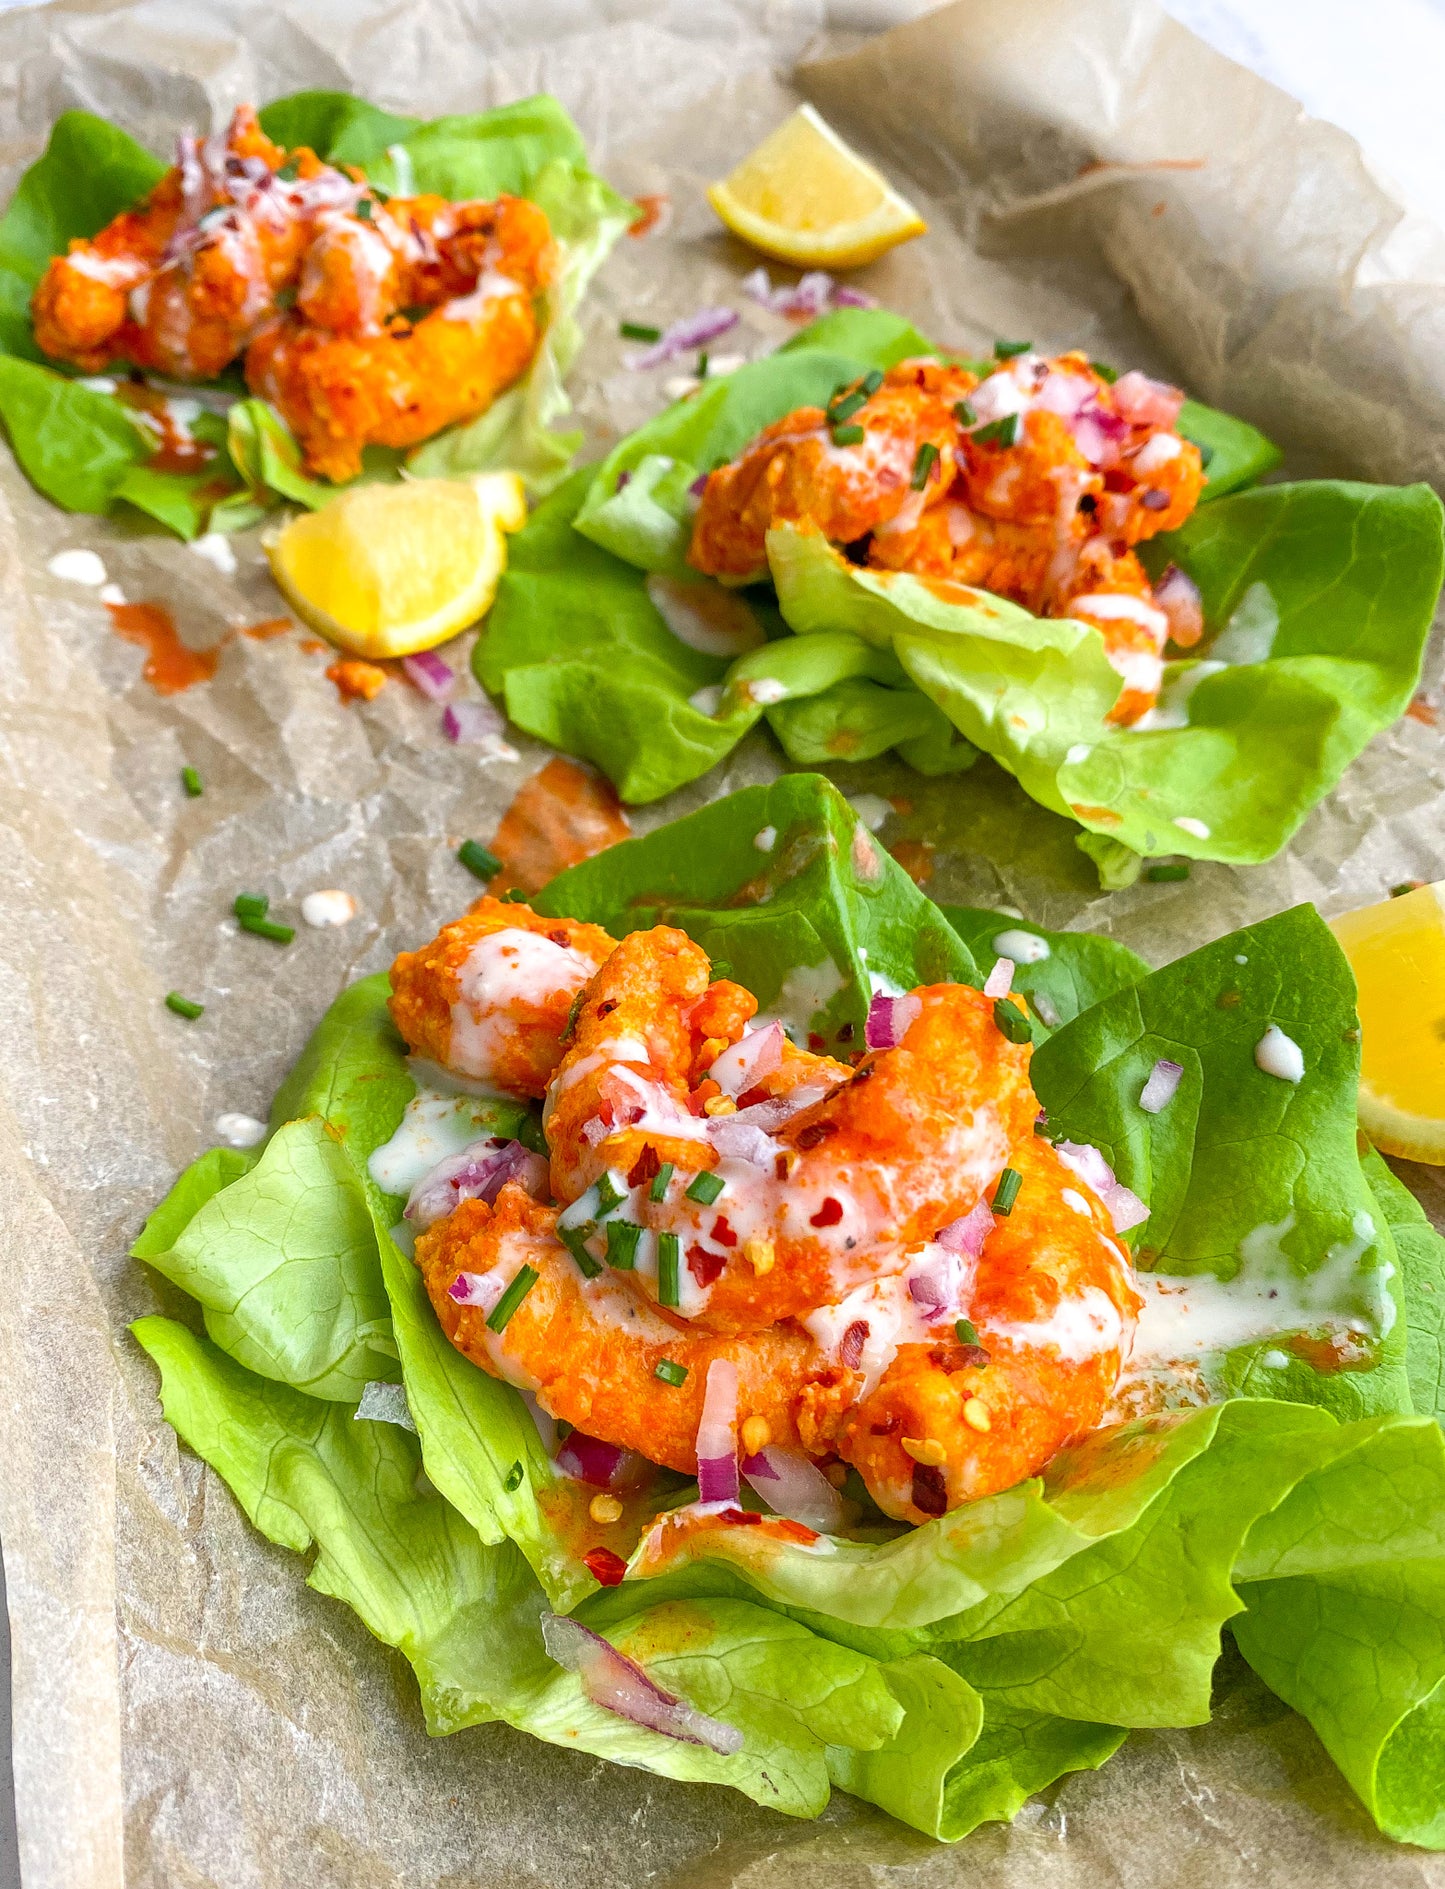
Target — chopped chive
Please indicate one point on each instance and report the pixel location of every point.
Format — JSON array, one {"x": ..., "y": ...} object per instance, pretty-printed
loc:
[
  {"x": 669, "y": 1249},
  {"x": 660, "y": 1180},
  {"x": 1006, "y": 350},
  {"x": 964, "y": 1332},
  {"x": 720, "y": 968},
  {"x": 1007, "y": 1191},
  {"x": 1041, "y": 1126},
  {"x": 515, "y": 897},
  {"x": 848, "y": 435},
  {"x": 477, "y": 860},
  {"x": 844, "y": 409},
  {"x": 1002, "y": 432},
  {"x": 186, "y": 1007},
  {"x": 701, "y": 369},
  {"x": 251, "y": 905},
  {"x": 622, "y": 1238},
  {"x": 363, "y": 209},
  {"x": 923, "y": 464},
  {"x": 638, "y": 331},
  {"x": 1406, "y": 885},
  {"x": 1161, "y": 875},
  {"x": 268, "y": 928},
  {"x": 705, "y": 1187},
  {"x": 670, "y": 1373},
  {"x": 192, "y": 782},
  {"x": 500, "y": 1315},
  {"x": 1012, "y": 1021},
  {"x": 872, "y": 381},
  {"x": 513, "y": 1478},
  {"x": 964, "y": 413},
  {"x": 290, "y": 170},
  {"x": 574, "y": 1012},
  {"x": 575, "y": 1240},
  {"x": 1104, "y": 371},
  {"x": 607, "y": 1195}
]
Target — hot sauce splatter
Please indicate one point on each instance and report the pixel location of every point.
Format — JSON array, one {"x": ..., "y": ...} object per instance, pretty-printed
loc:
[
  {"x": 177, "y": 449},
  {"x": 170, "y": 664},
  {"x": 564, "y": 814},
  {"x": 916, "y": 859},
  {"x": 273, "y": 626},
  {"x": 356, "y": 680},
  {"x": 1422, "y": 709}
]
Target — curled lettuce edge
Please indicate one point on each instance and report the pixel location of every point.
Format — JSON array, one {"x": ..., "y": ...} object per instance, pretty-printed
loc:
[
  {"x": 84, "y": 449},
  {"x": 949, "y": 1672}
]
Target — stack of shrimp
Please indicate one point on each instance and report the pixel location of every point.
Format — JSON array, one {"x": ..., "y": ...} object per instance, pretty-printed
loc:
[
  {"x": 1035, "y": 483},
  {"x": 363, "y": 318},
  {"x": 799, "y": 1198}
]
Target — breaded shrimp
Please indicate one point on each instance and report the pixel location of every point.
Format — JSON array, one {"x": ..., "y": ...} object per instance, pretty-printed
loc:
[
  {"x": 819, "y": 1194},
  {"x": 589, "y": 1349},
  {"x": 489, "y": 997},
  {"x": 795, "y": 470},
  {"x": 1054, "y": 1307}
]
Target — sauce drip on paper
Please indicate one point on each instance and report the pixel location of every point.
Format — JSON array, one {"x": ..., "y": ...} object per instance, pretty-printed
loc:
[
  {"x": 562, "y": 815},
  {"x": 170, "y": 664}
]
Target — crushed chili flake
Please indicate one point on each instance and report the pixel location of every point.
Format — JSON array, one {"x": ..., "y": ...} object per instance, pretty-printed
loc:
[
  {"x": 951, "y": 1358},
  {"x": 272, "y": 626},
  {"x": 604, "y": 1566},
  {"x": 1423, "y": 710},
  {"x": 850, "y": 1351},
  {"x": 745, "y": 1516},
  {"x": 828, "y": 1215},
  {"x": 886, "y": 1429},
  {"x": 930, "y": 1491},
  {"x": 703, "y": 1265},
  {"x": 814, "y": 1133},
  {"x": 816, "y": 1043},
  {"x": 722, "y": 1232},
  {"x": 645, "y": 1167}
]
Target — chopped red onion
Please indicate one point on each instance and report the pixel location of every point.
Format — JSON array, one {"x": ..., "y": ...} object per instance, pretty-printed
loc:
[
  {"x": 999, "y": 981},
  {"x": 618, "y": 1684},
  {"x": 968, "y": 1234},
  {"x": 889, "y": 1020},
  {"x": 602, "y": 1465},
  {"x": 698, "y": 486},
  {"x": 810, "y": 296},
  {"x": 844, "y": 297},
  {"x": 1158, "y": 1091},
  {"x": 1177, "y": 595},
  {"x": 1124, "y": 1208},
  {"x": 796, "y": 1488},
  {"x": 740, "y": 1141},
  {"x": 693, "y": 331},
  {"x": 478, "y": 1172},
  {"x": 624, "y": 479},
  {"x": 1145, "y": 402},
  {"x": 717, "y": 1444},
  {"x": 1155, "y": 499},
  {"x": 941, "y": 1281},
  {"x": 476, "y": 1288},
  {"x": 435, "y": 678},
  {"x": 750, "y": 1059},
  {"x": 468, "y": 722}
]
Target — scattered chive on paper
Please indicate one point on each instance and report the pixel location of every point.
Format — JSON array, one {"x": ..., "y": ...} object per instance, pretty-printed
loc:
[
  {"x": 923, "y": 464},
  {"x": 575, "y": 1240},
  {"x": 186, "y": 1007},
  {"x": 1002, "y": 432},
  {"x": 669, "y": 1275},
  {"x": 477, "y": 860},
  {"x": 268, "y": 928},
  {"x": 513, "y": 1478},
  {"x": 501, "y": 1313},
  {"x": 192, "y": 782},
  {"x": 251, "y": 905},
  {"x": 1162, "y": 875},
  {"x": 1012, "y": 1021},
  {"x": 670, "y": 1373},
  {"x": 1007, "y": 1191},
  {"x": 1006, "y": 350},
  {"x": 622, "y": 1239},
  {"x": 607, "y": 1195},
  {"x": 705, "y": 1187},
  {"x": 964, "y": 413},
  {"x": 847, "y": 435},
  {"x": 638, "y": 331},
  {"x": 660, "y": 1180}
]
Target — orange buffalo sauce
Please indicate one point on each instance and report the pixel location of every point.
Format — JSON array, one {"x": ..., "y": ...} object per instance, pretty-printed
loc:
[
  {"x": 170, "y": 664},
  {"x": 562, "y": 815}
]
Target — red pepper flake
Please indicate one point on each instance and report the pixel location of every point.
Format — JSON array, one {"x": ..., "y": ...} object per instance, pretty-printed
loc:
[
  {"x": 654, "y": 211},
  {"x": 930, "y": 1491},
  {"x": 854, "y": 1339},
  {"x": 604, "y": 1566},
  {"x": 747, "y": 1517},
  {"x": 813, "y": 1134},
  {"x": 355, "y": 679},
  {"x": 703, "y": 1265},
  {"x": 886, "y": 1429},
  {"x": 1423, "y": 710},
  {"x": 645, "y": 1167},
  {"x": 828, "y": 1215},
  {"x": 780, "y": 1167},
  {"x": 722, "y": 1232},
  {"x": 816, "y": 1043}
]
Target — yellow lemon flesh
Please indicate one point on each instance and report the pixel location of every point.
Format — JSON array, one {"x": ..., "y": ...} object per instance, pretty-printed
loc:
[
  {"x": 387, "y": 570},
  {"x": 806, "y": 198},
  {"x": 1397, "y": 952}
]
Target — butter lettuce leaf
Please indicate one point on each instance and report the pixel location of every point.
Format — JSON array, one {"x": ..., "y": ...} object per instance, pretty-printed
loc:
[{"x": 1079, "y": 968}]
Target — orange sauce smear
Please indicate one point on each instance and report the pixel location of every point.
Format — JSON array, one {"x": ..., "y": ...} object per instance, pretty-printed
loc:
[
  {"x": 654, "y": 206},
  {"x": 170, "y": 664},
  {"x": 562, "y": 815},
  {"x": 916, "y": 859},
  {"x": 263, "y": 632},
  {"x": 177, "y": 451}
]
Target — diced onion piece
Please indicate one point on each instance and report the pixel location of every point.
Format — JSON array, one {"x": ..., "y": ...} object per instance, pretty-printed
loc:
[
  {"x": 1124, "y": 1208},
  {"x": 741, "y": 1141},
  {"x": 618, "y": 1684},
  {"x": 889, "y": 1020},
  {"x": 968, "y": 1234},
  {"x": 693, "y": 331},
  {"x": 1177, "y": 595},
  {"x": 435, "y": 678},
  {"x": 717, "y": 1434},
  {"x": 744, "y": 1065},
  {"x": 999, "y": 981},
  {"x": 478, "y": 1172},
  {"x": 1158, "y": 1091},
  {"x": 792, "y": 1486},
  {"x": 1145, "y": 402},
  {"x": 467, "y": 722},
  {"x": 602, "y": 1465}
]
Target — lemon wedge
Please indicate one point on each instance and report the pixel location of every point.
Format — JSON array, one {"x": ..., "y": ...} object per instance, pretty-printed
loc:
[
  {"x": 805, "y": 197},
  {"x": 1397, "y": 952},
  {"x": 387, "y": 570}
]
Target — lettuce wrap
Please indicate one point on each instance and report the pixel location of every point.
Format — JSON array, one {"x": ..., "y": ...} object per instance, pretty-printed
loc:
[
  {"x": 1317, "y": 600},
  {"x": 84, "y": 448},
  {"x": 944, "y": 1672}
]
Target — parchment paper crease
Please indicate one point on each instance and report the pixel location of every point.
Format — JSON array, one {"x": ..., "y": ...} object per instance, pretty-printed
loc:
[{"x": 186, "y": 1712}]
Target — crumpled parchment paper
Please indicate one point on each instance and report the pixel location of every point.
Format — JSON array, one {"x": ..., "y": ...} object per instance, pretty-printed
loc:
[{"x": 186, "y": 1712}]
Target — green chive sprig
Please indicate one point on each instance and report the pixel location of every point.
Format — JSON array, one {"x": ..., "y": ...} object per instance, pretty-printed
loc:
[
  {"x": 622, "y": 1239},
  {"x": 607, "y": 1195},
  {"x": 965, "y": 1332},
  {"x": 923, "y": 464},
  {"x": 670, "y": 1372},
  {"x": 660, "y": 1182},
  {"x": 964, "y": 413},
  {"x": 502, "y": 1312},
  {"x": 477, "y": 860},
  {"x": 705, "y": 1187},
  {"x": 1004, "y": 432},
  {"x": 669, "y": 1270},
  {"x": 1006, "y": 350},
  {"x": 1007, "y": 1191},
  {"x": 1012, "y": 1021},
  {"x": 186, "y": 1007},
  {"x": 848, "y": 435},
  {"x": 638, "y": 331},
  {"x": 1104, "y": 371},
  {"x": 575, "y": 1240},
  {"x": 268, "y": 928},
  {"x": 251, "y": 905},
  {"x": 192, "y": 782}
]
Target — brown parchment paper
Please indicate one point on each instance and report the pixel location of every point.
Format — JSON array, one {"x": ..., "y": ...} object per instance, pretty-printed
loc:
[{"x": 186, "y": 1713}]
